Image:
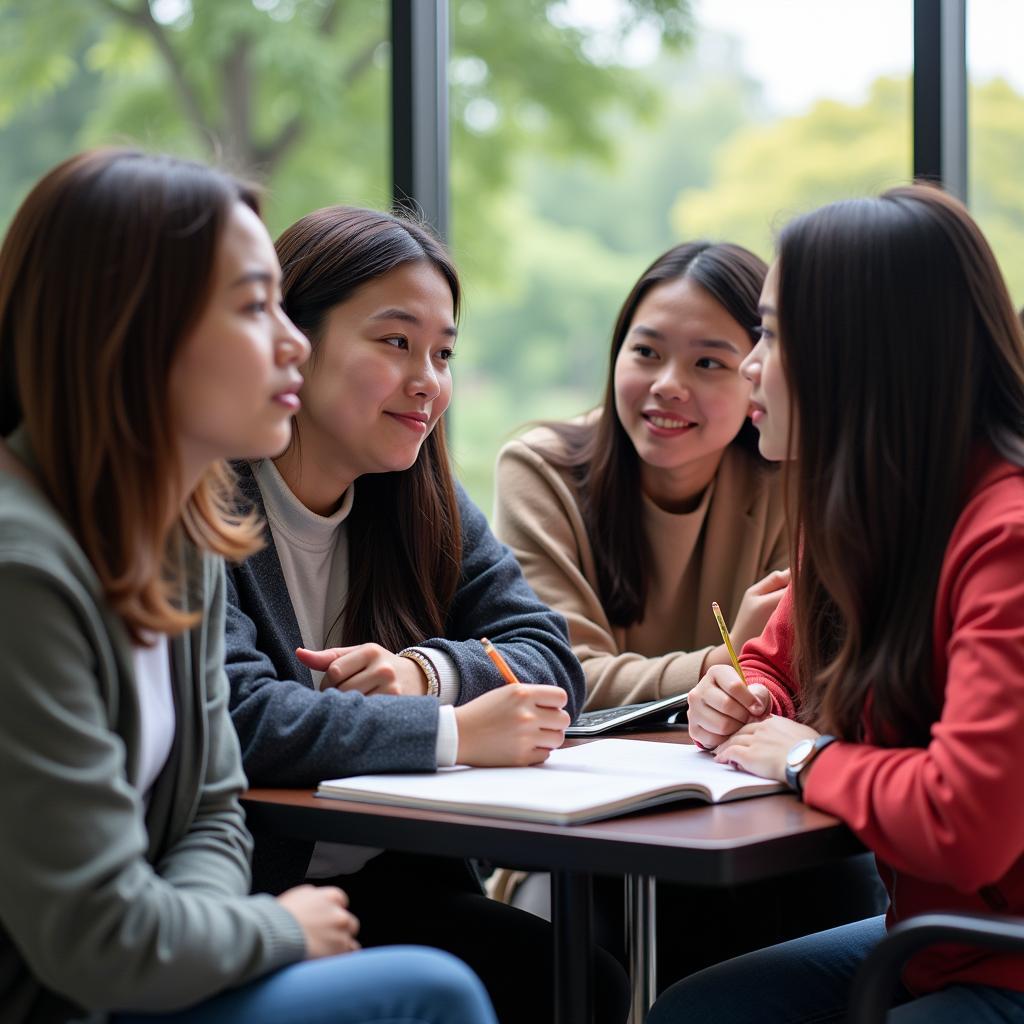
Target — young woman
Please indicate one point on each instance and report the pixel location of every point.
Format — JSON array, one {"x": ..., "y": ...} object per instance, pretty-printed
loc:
[
  {"x": 633, "y": 520},
  {"x": 141, "y": 343},
  {"x": 354, "y": 637},
  {"x": 887, "y": 688}
]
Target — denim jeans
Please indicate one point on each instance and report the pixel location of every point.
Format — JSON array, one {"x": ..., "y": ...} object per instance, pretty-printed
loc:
[
  {"x": 396, "y": 985},
  {"x": 808, "y": 980}
]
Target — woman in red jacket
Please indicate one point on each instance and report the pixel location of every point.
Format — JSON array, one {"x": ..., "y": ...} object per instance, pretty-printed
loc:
[{"x": 888, "y": 687}]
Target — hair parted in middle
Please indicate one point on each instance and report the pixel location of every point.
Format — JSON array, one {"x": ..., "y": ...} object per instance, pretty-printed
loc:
[
  {"x": 107, "y": 266},
  {"x": 599, "y": 455},
  {"x": 902, "y": 353},
  {"x": 405, "y": 533}
]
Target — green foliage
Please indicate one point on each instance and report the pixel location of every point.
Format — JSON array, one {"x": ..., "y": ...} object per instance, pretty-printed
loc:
[
  {"x": 767, "y": 173},
  {"x": 995, "y": 159},
  {"x": 296, "y": 92}
]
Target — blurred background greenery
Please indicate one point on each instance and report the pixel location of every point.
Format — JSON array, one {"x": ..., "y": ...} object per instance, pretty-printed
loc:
[{"x": 587, "y": 137}]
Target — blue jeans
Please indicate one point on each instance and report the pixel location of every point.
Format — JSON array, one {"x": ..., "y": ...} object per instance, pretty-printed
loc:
[
  {"x": 396, "y": 985},
  {"x": 807, "y": 981}
]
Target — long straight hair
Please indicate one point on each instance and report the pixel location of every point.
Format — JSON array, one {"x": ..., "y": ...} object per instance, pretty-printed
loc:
[
  {"x": 405, "y": 534},
  {"x": 599, "y": 456},
  {"x": 902, "y": 351},
  {"x": 106, "y": 267}
]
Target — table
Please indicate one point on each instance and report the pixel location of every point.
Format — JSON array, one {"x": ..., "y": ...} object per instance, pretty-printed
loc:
[{"x": 694, "y": 843}]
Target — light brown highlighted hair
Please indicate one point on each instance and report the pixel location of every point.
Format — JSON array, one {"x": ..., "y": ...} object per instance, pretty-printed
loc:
[{"x": 107, "y": 266}]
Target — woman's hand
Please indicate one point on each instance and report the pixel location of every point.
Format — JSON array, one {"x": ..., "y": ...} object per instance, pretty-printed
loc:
[
  {"x": 759, "y": 601},
  {"x": 761, "y": 747},
  {"x": 720, "y": 704},
  {"x": 515, "y": 724},
  {"x": 323, "y": 915},
  {"x": 368, "y": 668}
]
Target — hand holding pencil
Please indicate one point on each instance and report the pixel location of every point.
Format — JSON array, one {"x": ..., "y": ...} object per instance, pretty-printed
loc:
[{"x": 722, "y": 702}]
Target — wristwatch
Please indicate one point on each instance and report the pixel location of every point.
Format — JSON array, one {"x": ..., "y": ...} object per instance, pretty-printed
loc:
[{"x": 800, "y": 756}]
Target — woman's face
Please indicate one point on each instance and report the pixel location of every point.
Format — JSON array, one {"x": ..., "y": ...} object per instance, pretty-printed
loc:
[
  {"x": 233, "y": 384},
  {"x": 380, "y": 380},
  {"x": 678, "y": 391},
  {"x": 769, "y": 398}
]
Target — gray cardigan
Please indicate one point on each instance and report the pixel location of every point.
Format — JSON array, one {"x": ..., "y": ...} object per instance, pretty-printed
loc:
[
  {"x": 294, "y": 735},
  {"x": 105, "y": 905}
]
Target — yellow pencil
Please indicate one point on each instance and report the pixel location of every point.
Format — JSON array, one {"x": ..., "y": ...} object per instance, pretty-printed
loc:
[
  {"x": 728, "y": 642},
  {"x": 492, "y": 652}
]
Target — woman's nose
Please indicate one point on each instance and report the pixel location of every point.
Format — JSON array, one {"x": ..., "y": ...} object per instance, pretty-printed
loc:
[
  {"x": 670, "y": 387},
  {"x": 424, "y": 382},
  {"x": 750, "y": 368}
]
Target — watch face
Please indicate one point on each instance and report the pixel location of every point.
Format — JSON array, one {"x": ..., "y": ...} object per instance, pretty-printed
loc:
[{"x": 798, "y": 752}]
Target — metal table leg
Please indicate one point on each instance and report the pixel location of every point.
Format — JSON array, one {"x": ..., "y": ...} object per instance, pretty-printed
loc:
[
  {"x": 641, "y": 944},
  {"x": 573, "y": 927}
]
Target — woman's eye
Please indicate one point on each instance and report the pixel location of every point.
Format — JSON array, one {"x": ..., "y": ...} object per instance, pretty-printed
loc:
[
  {"x": 707, "y": 363},
  {"x": 396, "y": 341},
  {"x": 255, "y": 308},
  {"x": 644, "y": 351},
  {"x": 446, "y": 355}
]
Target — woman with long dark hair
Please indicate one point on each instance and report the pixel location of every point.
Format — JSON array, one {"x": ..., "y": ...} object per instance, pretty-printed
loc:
[
  {"x": 888, "y": 689},
  {"x": 141, "y": 345},
  {"x": 631, "y": 521},
  {"x": 354, "y": 637}
]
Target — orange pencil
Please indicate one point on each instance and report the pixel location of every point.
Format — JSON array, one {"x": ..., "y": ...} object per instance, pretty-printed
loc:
[{"x": 492, "y": 652}]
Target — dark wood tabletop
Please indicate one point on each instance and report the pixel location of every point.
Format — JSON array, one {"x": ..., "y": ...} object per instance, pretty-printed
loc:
[{"x": 724, "y": 844}]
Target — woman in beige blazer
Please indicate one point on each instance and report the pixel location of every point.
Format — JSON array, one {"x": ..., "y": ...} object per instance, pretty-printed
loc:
[{"x": 631, "y": 520}]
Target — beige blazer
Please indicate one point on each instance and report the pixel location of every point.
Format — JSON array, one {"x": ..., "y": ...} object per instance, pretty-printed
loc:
[{"x": 737, "y": 537}]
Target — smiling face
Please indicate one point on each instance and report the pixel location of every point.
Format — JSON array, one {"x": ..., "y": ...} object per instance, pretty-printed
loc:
[
  {"x": 769, "y": 399},
  {"x": 233, "y": 384},
  {"x": 380, "y": 379},
  {"x": 678, "y": 392}
]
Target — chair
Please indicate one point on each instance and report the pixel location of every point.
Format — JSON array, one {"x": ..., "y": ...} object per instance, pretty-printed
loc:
[{"x": 871, "y": 996}]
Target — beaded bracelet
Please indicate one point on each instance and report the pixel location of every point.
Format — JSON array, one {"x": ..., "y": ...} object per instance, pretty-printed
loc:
[{"x": 427, "y": 667}]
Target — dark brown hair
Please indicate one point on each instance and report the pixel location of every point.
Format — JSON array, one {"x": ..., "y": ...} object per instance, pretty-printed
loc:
[
  {"x": 106, "y": 267},
  {"x": 599, "y": 455},
  {"x": 902, "y": 351},
  {"x": 405, "y": 536}
]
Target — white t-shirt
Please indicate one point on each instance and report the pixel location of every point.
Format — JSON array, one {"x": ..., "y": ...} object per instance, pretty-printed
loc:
[{"x": 157, "y": 718}]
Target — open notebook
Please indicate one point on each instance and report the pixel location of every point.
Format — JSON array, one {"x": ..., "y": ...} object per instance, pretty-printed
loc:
[{"x": 584, "y": 783}]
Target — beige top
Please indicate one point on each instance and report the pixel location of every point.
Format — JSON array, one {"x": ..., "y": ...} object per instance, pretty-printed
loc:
[{"x": 733, "y": 539}]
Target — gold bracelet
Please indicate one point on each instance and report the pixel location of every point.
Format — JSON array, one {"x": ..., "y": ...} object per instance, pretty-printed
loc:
[{"x": 427, "y": 667}]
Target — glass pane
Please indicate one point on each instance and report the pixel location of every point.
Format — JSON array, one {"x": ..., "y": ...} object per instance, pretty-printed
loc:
[
  {"x": 293, "y": 93},
  {"x": 585, "y": 144},
  {"x": 995, "y": 130}
]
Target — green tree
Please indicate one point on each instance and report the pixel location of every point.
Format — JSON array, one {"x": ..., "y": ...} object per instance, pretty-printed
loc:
[
  {"x": 295, "y": 92},
  {"x": 995, "y": 158},
  {"x": 767, "y": 173}
]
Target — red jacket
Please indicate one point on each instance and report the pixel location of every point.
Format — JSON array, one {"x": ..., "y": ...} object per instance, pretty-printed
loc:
[{"x": 946, "y": 823}]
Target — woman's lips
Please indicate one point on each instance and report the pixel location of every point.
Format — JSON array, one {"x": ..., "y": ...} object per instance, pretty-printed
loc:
[
  {"x": 666, "y": 426},
  {"x": 289, "y": 399},
  {"x": 414, "y": 421}
]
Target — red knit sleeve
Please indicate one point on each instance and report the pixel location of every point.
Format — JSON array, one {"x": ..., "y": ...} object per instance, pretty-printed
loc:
[
  {"x": 952, "y": 812},
  {"x": 768, "y": 658}
]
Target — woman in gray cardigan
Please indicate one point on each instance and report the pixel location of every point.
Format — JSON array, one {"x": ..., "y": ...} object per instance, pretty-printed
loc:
[
  {"x": 353, "y": 637},
  {"x": 141, "y": 343}
]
